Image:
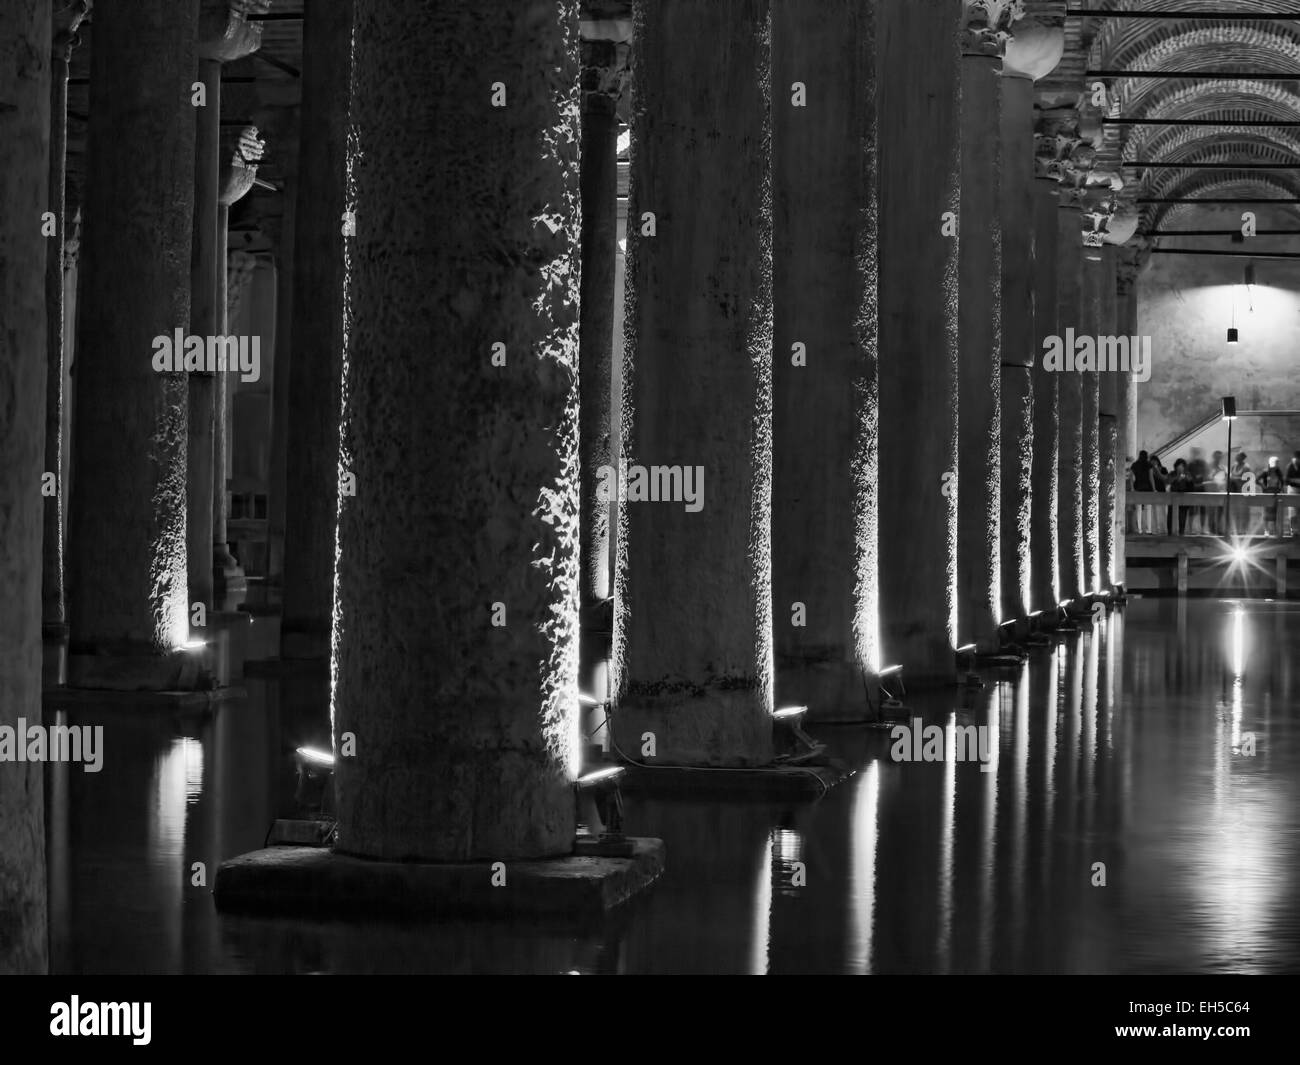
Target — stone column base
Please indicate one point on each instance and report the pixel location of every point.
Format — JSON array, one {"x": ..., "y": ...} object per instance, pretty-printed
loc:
[
  {"x": 299, "y": 642},
  {"x": 128, "y": 671},
  {"x": 715, "y": 727},
  {"x": 294, "y": 880},
  {"x": 834, "y": 692}
]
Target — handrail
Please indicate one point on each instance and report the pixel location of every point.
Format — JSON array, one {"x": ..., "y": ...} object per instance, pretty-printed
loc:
[
  {"x": 1210, "y": 499},
  {"x": 1200, "y": 427}
]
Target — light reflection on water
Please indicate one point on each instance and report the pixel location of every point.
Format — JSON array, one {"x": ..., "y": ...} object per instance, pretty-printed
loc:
[{"x": 1124, "y": 747}]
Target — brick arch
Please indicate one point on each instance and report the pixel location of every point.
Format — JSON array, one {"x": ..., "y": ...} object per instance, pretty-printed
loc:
[
  {"x": 1211, "y": 184},
  {"x": 1231, "y": 100}
]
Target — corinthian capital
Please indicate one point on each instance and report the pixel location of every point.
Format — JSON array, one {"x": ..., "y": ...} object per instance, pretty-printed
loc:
[
  {"x": 604, "y": 68},
  {"x": 239, "y": 165},
  {"x": 986, "y": 25},
  {"x": 68, "y": 16},
  {"x": 1061, "y": 152},
  {"x": 224, "y": 30}
]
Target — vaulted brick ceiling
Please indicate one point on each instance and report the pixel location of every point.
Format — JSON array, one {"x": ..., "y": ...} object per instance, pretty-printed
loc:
[
  {"x": 1244, "y": 43},
  {"x": 263, "y": 89}
]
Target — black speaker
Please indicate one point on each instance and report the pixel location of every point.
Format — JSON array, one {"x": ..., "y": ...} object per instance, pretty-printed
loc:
[{"x": 1229, "y": 408}]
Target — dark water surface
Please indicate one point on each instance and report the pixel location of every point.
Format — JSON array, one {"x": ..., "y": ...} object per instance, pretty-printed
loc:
[{"x": 1124, "y": 747}]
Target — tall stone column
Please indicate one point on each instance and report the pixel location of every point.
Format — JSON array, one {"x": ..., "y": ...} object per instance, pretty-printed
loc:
[
  {"x": 281, "y": 233},
  {"x": 318, "y": 334},
  {"x": 694, "y": 621},
  {"x": 1033, "y": 53},
  {"x": 1017, "y": 132},
  {"x": 1044, "y": 517},
  {"x": 824, "y": 544},
  {"x": 1089, "y": 391},
  {"x": 204, "y": 323},
  {"x": 66, "y": 38},
  {"x": 918, "y": 79},
  {"x": 224, "y": 34},
  {"x": 1126, "y": 412},
  {"x": 604, "y": 71},
  {"x": 1108, "y": 390},
  {"x": 980, "y": 310},
  {"x": 239, "y": 160},
  {"x": 24, "y": 180},
  {"x": 456, "y": 610},
  {"x": 127, "y": 594},
  {"x": 1070, "y": 481}
]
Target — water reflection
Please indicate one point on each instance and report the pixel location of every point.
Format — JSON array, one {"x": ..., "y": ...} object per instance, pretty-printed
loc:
[{"x": 1126, "y": 747}]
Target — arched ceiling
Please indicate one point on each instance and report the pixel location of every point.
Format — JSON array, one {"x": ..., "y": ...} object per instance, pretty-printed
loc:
[{"x": 1232, "y": 112}]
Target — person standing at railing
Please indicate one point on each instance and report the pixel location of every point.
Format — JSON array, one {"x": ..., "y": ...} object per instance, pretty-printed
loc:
[
  {"x": 1141, "y": 470},
  {"x": 1242, "y": 479},
  {"x": 1160, "y": 483},
  {"x": 1292, "y": 478},
  {"x": 1272, "y": 482},
  {"x": 1181, "y": 481},
  {"x": 1198, "y": 471},
  {"x": 1218, "y": 483}
]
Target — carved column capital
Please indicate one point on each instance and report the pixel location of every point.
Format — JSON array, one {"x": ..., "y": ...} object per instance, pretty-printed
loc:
[
  {"x": 1061, "y": 152},
  {"x": 240, "y": 154},
  {"x": 224, "y": 30},
  {"x": 986, "y": 25},
  {"x": 1126, "y": 271},
  {"x": 72, "y": 241},
  {"x": 604, "y": 69},
  {"x": 68, "y": 16}
]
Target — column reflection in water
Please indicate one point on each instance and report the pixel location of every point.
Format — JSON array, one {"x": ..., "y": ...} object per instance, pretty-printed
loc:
[{"x": 865, "y": 836}]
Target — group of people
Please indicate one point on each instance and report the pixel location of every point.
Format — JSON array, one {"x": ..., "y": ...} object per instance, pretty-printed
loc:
[{"x": 1148, "y": 474}]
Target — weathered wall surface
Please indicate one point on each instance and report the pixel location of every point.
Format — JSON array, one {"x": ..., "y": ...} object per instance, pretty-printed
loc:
[{"x": 1185, "y": 304}]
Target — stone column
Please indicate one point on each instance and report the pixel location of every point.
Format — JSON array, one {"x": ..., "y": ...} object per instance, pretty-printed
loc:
[
  {"x": 1126, "y": 412},
  {"x": 1030, "y": 55},
  {"x": 604, "y": 70},
  {"x": 918, "y": 79},
  {"x": 979, "y": 449},
  {"x": 1089, "y": 391},
  {"x": 238, "y": 172},
  {"x": 203, "y": 323},
  {"x": 318, "y": 336},
  {"x": 224, "y": 34},
  {"x": 1108, "y": 389},
  {"x": 1044, "y": 518},
  {"x": 456, "y": 610},
  {"x": 127, "y": 594},
  {"x": 824, "y": 368},
  {"x": 66, "y": 39},
  {"x": 1069, "y": 278},
  {"x": 24, "y": 179},
  {"x": 694, "y": 623},
  {"x": 281, "y": 233}
]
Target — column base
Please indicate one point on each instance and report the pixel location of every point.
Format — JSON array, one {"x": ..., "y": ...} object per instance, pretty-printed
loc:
[
  {"x": 716, "y": 727},
  {"x": 834, "y": 692},
  {"x": 315, "y": 880},
  {"x": 228, "y": 578},
  {"x": 299, "y": 642},
  {"x": 137, "y": 672}
]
